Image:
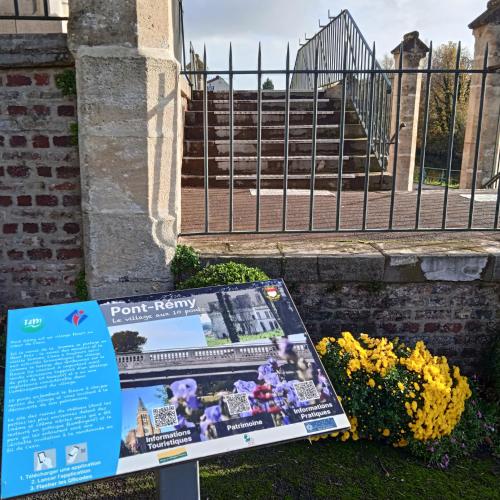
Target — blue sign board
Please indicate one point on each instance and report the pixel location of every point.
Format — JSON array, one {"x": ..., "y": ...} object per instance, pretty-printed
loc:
[{"x": 101, "y": 388}]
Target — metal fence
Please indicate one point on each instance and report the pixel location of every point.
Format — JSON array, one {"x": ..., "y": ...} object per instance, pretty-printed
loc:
[
  {"x": 340, "y": 55},
  {"x": 340, "y": 45},
  {"x": 33, "y": 10}
]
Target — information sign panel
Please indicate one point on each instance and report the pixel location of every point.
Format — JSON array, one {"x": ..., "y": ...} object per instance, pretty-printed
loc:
[{"x": 100, "y": 388}]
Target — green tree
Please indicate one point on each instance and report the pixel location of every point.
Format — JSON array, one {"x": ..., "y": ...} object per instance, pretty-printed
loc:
[
  {"x": 128, "y": 341},
  {"x": 441, "y": 105},
  {"x": 268, "y": 85}
]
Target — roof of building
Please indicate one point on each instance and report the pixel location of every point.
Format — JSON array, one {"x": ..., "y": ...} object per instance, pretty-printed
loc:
[{"x": 216, "y": 78}]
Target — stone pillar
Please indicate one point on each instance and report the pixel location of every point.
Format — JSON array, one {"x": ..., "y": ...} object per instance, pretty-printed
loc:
[
  {"x": 414, "y": 50},
  {"x": 486, "y": 30},
  {"x": 130, "y": 139}
]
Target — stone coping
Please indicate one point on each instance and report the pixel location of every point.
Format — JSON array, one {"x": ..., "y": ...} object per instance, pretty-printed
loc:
[
  {"x": 34, "y": 50},
  {"x": 391, "y": 261}
]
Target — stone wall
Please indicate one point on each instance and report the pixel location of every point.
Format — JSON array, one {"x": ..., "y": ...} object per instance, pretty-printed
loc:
[
  {"x": 40, "y": 214},
  {"x": 446, "y": 293}
]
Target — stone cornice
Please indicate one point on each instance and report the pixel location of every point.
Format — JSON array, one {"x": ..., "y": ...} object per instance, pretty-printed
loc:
[{"x": 490, "y": 16}]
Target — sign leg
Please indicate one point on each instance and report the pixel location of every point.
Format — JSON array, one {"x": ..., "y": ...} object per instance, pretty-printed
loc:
[{"x": 178, "y": 482}]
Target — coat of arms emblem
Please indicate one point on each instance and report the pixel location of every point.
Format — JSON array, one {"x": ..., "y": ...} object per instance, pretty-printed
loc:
[{"x": 272, "y": 292}]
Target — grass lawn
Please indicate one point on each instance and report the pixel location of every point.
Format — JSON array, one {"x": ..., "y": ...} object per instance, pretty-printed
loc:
[
  {"x": 213, "y": 342},
  {"x": 325, "y": 469}
]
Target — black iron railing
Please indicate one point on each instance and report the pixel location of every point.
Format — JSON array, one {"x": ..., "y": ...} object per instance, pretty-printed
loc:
[
  {"x": 368, "y": 86},
  {"x": 36, "y": 10},
  {"x": 340, "y": 46}
]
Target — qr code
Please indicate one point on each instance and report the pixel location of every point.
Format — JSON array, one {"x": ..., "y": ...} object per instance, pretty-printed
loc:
[
  {"x": 165, "y": 416},
  {"x": 306, "y": 391},
  {"x": 237, "y": 403}
]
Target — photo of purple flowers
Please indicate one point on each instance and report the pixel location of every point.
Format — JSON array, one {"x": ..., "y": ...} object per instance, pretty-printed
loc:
[{"x": 204, "y": 405}]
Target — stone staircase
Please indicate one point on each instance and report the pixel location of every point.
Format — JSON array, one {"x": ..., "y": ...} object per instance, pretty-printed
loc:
[{"x": 272, "y": 146}]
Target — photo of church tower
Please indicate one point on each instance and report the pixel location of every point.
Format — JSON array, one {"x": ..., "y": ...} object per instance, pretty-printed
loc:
[{"x": 144, "y": 428}]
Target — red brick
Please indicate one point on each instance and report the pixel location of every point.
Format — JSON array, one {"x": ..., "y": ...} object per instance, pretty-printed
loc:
[
  {"x": 411, "y": 327},
  {"x": 431, "y": 327},
  {"x": 42, "y": 78},
  {"x": 71, "y": 227},
  {"x": 10, "y": 228},
  {"x": 46, "y": 200},
  {"x": 18, "y": 80},
  {"x": 30, "y": 227},
  {"x": 62, "y": 141},
  {"x": 48, "y": 227},
  {"x": 24, "y": 201},
  {"x": 390, "y": 327},
  {"x": 44, "y": 171},
  {"x": 39, "y": 253},
  {"x": 41, "y": 141},
  {"x": 65, "y": 186},
  {"x": 41, "y": 110},
  {"x": 17, "y": 141},
  {"x": 452, "y": 327},
  {"x": 66, "y": 110},
  {"x": 70, "y": 200},
  {"x": 5, "y": 201},
  {"x": 17, "y": 110},
  {"x": 69, "y": 253},
  {"x": 18, "y": 171},
  {"x": 67, "y": 172},
  {"x": 15, "y": 254}
]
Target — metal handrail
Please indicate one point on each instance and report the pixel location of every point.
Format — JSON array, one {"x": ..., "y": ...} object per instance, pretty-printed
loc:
[{"x": 346, "y": 56}]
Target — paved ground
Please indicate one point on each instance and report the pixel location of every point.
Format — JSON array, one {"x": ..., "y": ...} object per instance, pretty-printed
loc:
[{"x": 325, "y": 210}]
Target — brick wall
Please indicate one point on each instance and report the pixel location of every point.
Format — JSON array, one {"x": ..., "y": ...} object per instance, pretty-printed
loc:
[
  {"x": 40, "y": 213},
  {"x": 456, "y": 320}
]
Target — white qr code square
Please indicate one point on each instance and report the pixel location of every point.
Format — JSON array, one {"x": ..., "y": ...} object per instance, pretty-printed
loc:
[
  {"x": 237, "y": 403},
  {"x": 306, "y": 391},
  {"x": 165, "y": 416}
]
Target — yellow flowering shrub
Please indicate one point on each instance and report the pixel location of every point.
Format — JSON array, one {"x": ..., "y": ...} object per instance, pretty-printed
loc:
[{"x": 392, "y": 392}]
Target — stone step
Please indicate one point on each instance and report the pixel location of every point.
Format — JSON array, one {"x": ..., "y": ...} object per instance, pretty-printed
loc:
[
  {"x": 251, "y": 95},
  {"x": 215, "y": 118},
  {"x": 297, "y": 147},
  {"x": 275, "y": 165},
  {"x": 268, "y": 105},
  {"x": 274, "y": 132},
  {"x": 323, "y": 182}
]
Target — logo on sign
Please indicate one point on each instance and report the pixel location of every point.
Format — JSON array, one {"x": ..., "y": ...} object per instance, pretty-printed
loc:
[
  {"x": 272, "y": 292},
  {"x": 169, "y": 455},
  {"x": 320, "y": 425},
  {"x": 32, "y": 325},
  {"x": 76, "y": 317},
  {"x": 249, "y": 440}
]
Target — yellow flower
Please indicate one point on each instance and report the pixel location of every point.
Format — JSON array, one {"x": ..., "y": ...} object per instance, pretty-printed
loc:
[
  {"x": 386, "y": 432},
  {"x": 371, "y": 383},
  {"x": 401, "y": 386}
]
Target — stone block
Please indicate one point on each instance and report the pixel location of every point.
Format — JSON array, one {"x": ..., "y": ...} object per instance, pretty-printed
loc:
[
  {"x": 356, "y": 267},
  {"x": 297, "y": 268}
]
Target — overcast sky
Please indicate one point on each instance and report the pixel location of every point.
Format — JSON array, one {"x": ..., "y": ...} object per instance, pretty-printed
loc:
[{"x": 276, "y": 22}]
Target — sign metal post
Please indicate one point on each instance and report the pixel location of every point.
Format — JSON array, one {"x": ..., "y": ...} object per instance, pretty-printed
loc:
[{"x": 178, "y": 482}]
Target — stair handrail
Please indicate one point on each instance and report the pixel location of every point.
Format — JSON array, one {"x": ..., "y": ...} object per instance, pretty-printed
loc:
[{"x": 349, "y": 58}]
